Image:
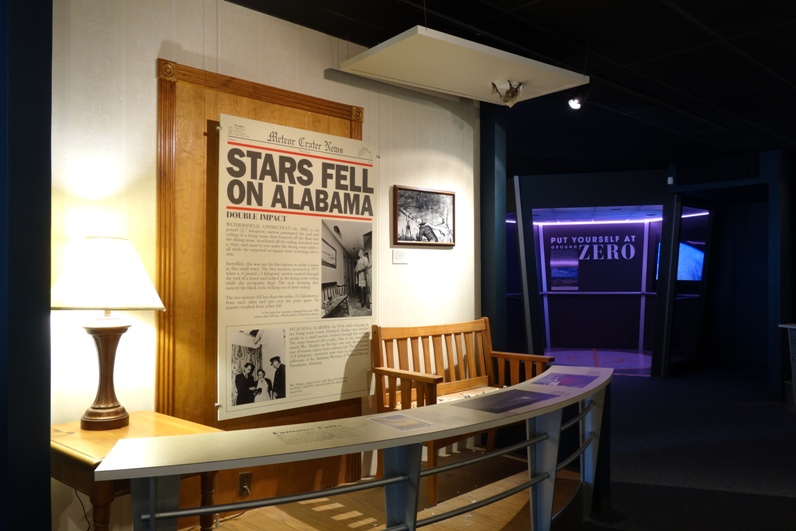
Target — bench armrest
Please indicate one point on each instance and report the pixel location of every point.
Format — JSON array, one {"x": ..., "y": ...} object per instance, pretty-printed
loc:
[
  {"x": 409, "y": 375},
  {"x": 415, "y": 387},
  {"x": 534, "y": 365},
  {"x": 523, "y": 357}
]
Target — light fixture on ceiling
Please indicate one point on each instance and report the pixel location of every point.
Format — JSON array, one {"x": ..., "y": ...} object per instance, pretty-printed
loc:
[
  {"x": 577, "y": 99},
  {"x": 510, "y": 91}
]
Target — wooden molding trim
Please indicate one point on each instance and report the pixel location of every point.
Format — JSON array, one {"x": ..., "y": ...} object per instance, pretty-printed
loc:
[
  {"x": 171, "y": 71},
  {"x": 166, "y": 142}
]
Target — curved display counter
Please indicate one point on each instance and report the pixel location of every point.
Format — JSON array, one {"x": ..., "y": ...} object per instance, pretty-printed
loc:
[{"x": 154, "y": 465}]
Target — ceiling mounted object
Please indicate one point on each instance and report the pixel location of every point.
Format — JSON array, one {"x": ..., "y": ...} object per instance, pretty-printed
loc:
[
  {"x": 426, "y": 59},
  {"x": 510, "y": 93}
]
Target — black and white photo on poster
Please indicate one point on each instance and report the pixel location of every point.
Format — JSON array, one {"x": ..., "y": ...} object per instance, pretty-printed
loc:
[
  {"x": 255, "y": 358},
  {"x": 346, "y": 287}
]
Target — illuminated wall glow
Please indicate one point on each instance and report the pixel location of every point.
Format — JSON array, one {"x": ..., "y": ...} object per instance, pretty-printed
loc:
[{"x": 93, "y": 176}]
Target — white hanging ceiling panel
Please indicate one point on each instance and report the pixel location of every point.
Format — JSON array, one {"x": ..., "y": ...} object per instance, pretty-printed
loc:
[{"x": 430, "y": 60}]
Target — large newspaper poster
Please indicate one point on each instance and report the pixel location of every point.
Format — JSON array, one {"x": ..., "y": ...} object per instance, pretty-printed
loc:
[{"x": 295, "y": 248}]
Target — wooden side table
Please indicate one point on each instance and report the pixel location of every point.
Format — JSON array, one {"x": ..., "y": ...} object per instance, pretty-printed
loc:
[{"x": 75, "y": 453}]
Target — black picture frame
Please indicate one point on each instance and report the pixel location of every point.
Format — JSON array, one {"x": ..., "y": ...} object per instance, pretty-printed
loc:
[
  {"x": 423, "y": 217},
  {"x": 328, "y": 254}
]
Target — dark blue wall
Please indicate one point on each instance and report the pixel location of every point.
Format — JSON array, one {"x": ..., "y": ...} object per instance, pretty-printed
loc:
[
  {"x": 25, "y": 191},
  {"x": 493, "y": 222}
]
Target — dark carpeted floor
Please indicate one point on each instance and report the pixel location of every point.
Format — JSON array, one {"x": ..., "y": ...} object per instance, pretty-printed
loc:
[{"x": 710, "y": 450}]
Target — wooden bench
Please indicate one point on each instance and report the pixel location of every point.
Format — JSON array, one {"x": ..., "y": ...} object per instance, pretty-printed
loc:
[
  {"x": 422, "y": 365},
  {"x": 335, "y": 300}
]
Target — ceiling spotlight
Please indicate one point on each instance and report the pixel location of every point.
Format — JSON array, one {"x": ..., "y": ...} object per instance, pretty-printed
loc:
[
  {"x": 579, "y": 96},
  {"x": 510, "y": 94}
]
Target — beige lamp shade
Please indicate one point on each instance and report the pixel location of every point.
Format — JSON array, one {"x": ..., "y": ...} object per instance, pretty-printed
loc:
[{"x": 107, "y": 274}]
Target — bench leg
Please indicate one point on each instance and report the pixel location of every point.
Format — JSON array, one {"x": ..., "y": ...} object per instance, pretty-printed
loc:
[
  {"x": 491, "y": 440},
  {"x": 379, "y": 463},
  {"x": 431, "y": 494}
]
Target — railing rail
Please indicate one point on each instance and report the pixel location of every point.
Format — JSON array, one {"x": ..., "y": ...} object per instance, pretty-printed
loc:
[
  {"x": 279, "y": 500},
  {"x": 483, "y": 457},
  {"x": 367, "y": 485}
]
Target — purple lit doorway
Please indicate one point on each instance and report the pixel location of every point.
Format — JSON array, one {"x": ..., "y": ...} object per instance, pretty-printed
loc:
[{"x": 591, "y": 311}]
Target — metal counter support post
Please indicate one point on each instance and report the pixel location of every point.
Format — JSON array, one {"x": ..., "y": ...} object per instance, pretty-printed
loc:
[
  {"x": 543, "y": 458},
  {"x": 150, "y": 495},
  {"x": 792, "y": 351},
  {"x": 591, "y": 424},
  {"x": 401, "y": 498}
]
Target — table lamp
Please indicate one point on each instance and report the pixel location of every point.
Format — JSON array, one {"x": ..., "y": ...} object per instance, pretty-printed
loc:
[{"x": 106, "y": 274}]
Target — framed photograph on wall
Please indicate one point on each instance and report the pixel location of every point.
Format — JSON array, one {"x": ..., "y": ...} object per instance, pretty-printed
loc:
[
  {"x": 328, "y": 254},
  {"x": 423, "y": 217}
]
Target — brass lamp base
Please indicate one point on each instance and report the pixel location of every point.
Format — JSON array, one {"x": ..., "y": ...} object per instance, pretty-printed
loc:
[
  {"x": 95, "y": 419},
  {"x": 105, "y": 413}
]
